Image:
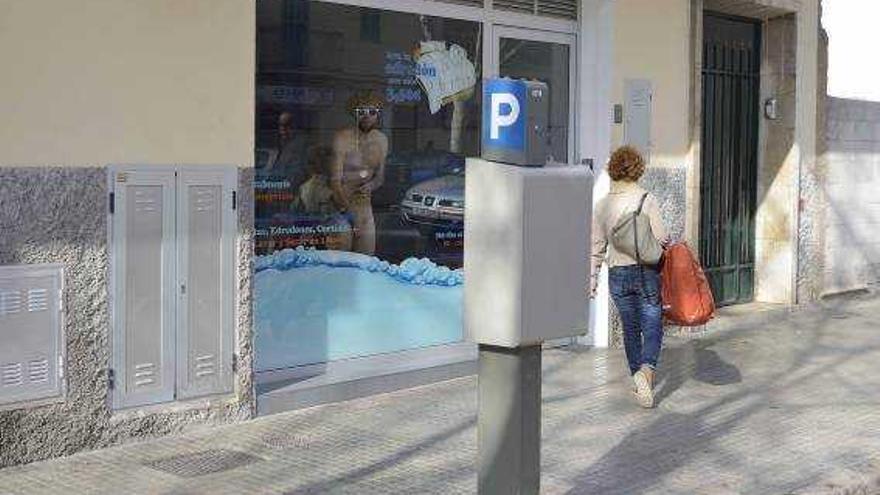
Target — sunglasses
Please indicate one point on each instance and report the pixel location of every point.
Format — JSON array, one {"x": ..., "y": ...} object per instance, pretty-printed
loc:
[{"x": 371, "y": 111}]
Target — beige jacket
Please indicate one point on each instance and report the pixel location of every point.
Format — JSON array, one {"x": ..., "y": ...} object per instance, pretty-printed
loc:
[{"x": 623, "y": 199}]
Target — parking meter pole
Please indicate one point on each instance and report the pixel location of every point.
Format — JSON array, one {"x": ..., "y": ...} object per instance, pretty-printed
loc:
[{"x": 509, "y": 422}]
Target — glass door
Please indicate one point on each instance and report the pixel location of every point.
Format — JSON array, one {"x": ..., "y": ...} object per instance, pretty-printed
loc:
[{"x": 547, "y": 57}]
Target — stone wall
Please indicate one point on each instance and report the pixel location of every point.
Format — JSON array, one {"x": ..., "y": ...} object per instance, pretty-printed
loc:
[
  {"x": 852, "y": 222},
  {"x": 59, "y": 215},
  {"x": 812, "y": 202},
  {"x": 849, "y": 158},
  {"x": 669, "y": 186}
]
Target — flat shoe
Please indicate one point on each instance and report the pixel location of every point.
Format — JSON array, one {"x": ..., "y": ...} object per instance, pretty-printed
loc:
[{"x": 643, "y": 391}]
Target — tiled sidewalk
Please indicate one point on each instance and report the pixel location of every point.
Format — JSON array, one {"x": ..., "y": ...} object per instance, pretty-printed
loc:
[{"x": 791, "y": 407}]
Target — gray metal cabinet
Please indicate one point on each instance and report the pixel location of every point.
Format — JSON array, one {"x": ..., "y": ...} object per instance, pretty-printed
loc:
[
  {"x": 206, "y": 272},
  {"x": 173, "y": 236},
  {"x": 31, "y": 323},
  {"x": 143, "y": 297}
]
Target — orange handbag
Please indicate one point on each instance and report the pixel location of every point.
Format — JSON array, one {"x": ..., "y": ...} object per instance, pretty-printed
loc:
[{"x": 686, "y": 295}]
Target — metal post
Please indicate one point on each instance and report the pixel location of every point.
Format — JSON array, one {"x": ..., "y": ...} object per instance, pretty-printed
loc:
[{"x": 509, "y": 423}]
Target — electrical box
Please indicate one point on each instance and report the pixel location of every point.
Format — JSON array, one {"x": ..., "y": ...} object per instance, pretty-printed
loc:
[
  {"x": 31, "y": 337},
  {"x": 526, "y": 255},
  {"x": 515, "y": 121},
  {"x": 637, "y": 118},
  {"x": 173, "y": 274}
]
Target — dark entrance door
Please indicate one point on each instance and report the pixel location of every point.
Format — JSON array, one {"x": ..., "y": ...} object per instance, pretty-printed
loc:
[{"x": 729, "y": 155}]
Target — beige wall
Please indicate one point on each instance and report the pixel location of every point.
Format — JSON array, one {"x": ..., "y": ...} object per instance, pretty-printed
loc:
[
  {"x": 92, "y": 82},
  {"x": 652, "y": 41},
  {"x": 777, "y": 166}
]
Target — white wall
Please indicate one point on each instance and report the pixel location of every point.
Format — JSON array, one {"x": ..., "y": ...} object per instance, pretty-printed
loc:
[
  {"x": 92, "y": 82},
  {"x": 852, "y": 155},
  {"x": 852, "y": 242}
]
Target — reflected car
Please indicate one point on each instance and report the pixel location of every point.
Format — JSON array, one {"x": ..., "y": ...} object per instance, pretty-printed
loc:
[
  {"x": 403, "y": 169},
  {"x": 437, "y": 201}
]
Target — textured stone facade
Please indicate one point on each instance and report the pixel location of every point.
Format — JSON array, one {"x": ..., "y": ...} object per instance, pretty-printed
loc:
[
  {"x": 813, "y": 199},
  {"x": 669, "y": 186},
  {"x": 59, "y": 215}
]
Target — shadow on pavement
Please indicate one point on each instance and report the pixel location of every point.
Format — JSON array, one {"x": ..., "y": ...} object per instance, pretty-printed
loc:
[
  {"x": 645, "y": 456},
  {"x": 711, "y": 369}
]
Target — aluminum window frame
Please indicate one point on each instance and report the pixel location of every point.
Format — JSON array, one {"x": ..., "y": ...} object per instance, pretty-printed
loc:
[{"x": 485, "y": 15}]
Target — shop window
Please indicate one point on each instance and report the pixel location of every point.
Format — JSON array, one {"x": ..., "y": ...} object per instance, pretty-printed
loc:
[
  {"x": 360, "y": 181},
  {"x": 173, "y": 278}
]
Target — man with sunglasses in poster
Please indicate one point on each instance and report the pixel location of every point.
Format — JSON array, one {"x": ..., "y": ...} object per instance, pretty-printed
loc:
[{"x": 359, "y": 154}]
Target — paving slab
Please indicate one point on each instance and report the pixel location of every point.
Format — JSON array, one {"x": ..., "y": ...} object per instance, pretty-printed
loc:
[{"x": 781, "y": 405}]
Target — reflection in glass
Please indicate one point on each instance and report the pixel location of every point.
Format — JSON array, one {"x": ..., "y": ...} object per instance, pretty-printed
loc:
[
  {"x": 549, "y": 63},
  {"x": 363, "y": 120}
]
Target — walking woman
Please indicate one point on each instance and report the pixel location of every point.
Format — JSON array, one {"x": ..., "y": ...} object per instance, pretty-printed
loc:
[{"x": 635, "y": 288}]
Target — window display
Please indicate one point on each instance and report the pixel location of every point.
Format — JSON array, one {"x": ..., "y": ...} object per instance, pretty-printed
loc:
[{"x": 363, "y": 120}]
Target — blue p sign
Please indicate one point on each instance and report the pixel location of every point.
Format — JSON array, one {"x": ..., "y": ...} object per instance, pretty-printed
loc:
[
  {"x": 501, "y": 119},
  {"x": 504, "y": 115}
]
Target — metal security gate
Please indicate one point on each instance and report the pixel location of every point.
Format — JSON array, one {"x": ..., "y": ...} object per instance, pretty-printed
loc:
[{"x": 729, "y": 152}]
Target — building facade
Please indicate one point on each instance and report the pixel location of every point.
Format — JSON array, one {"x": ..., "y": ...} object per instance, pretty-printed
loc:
[
  {"x": 256, "y": 206},
  {"x": 734, "y": 96}
]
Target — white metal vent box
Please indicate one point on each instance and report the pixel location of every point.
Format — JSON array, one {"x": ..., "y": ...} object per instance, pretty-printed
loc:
[
  {"x": 31, "y": 364},
  {"x": 526, "y": 255}
]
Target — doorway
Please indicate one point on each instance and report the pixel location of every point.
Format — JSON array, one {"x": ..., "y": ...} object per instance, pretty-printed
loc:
[{"x": 729, "y": 155}]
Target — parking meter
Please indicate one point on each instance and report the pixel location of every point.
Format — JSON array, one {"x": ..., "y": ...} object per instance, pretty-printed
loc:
[
  {"x": 516, "y": 122},
  {"x": 526, "y": 256},
  {"x": 526, "y": 262}
]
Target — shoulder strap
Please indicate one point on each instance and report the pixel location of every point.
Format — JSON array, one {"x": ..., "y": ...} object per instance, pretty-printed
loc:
[
  {"x": 636, "y": 233},
  {"x": 641, "y": 204}
]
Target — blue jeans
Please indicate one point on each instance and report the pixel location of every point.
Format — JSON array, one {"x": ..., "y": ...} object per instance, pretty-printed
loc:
[{"x": 636, "y": 293}]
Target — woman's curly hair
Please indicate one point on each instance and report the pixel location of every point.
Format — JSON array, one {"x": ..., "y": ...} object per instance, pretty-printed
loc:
[{"x": 627, "y": 164}]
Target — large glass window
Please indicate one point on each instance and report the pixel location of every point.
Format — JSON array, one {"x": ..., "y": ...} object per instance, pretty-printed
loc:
[{"x": 363, "y": 120}]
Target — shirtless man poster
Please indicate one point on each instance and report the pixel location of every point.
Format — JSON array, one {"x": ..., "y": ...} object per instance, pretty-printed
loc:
[{"x": 359, "y": 154}]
